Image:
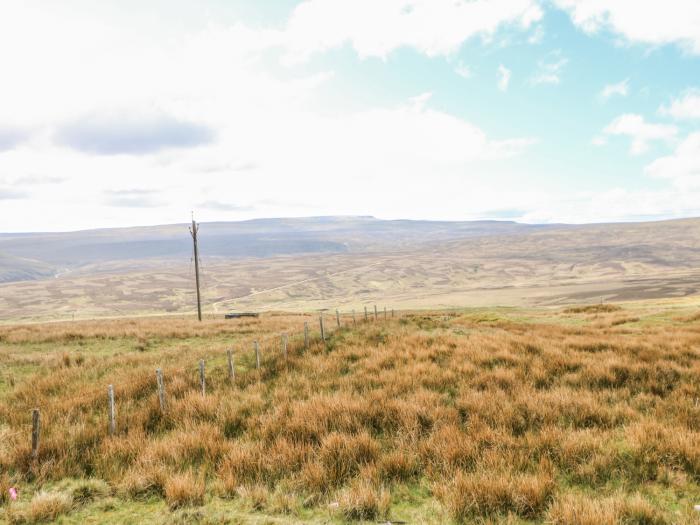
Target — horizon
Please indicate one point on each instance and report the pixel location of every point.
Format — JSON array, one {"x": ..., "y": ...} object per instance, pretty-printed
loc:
[
  {"x": 119, "y": 115},
  {"x": 347, "y": 217}
]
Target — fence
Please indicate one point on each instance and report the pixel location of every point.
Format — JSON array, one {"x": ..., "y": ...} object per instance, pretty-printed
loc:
[{"x": 160, "y": 377}]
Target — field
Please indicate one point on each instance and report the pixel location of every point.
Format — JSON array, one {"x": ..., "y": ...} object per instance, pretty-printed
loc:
[
  {"x": 583, "y": 415},
  {"x": 406, "y": 266}
]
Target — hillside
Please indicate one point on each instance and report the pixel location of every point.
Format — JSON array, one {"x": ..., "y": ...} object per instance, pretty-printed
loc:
[
  {"x": 345, "y": 262},
  {"x": 577, "y": 416},
  {"x": 70, "y": 251}
]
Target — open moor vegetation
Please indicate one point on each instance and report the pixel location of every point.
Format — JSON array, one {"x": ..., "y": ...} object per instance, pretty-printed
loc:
[{"x": 581, "y": 416}]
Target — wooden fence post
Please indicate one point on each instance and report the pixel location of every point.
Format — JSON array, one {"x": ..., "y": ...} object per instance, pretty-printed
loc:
[
  {"x": 36, "y": 428},
  {"x": 392, "y": 313},
  {"x": 201, "y": 377},
  {"x": 323, "y": 333},
  {"x": 337, "y": 318},
  {"x": 161, "y": 389},
  {"x": 306, "y": 335},
  {"x": 112, "y": 419},
  {"x": 257, "y": 355},
  {"x": 375, "y": 312},
  {"x": 284, "y": 346},
  {"x": 385, "y": 313},
  {"x": 354, "y": 321},
  {"x": 231, "y": 369},
  {"x": 366, "y": 319}
]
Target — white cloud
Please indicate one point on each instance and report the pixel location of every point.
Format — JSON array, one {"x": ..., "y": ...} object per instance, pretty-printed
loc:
[
  {"x": 463, "y": 70},
  {"x": 375, "y": 29},
  {"x": 640, "y": 131},
  {"x": 682, "y": 167},
  {"x": 686, "y": 107},
  {"x": 536, "y": 36},
  {"x": 644, "y": 21},
  {"x": 549, "y": 70},
  {"x": 503, "y": 77},
  {"x": 621, "y": 89},
  {"x": 599, "y": 140}
]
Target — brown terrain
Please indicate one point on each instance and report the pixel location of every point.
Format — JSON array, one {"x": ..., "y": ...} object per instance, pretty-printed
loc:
[{"x": 398, "y": 263}]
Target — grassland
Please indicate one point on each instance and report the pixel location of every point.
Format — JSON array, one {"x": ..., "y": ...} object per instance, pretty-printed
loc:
[
  {"x": 549, "y": 267},
  {"x": 583, "y": 415}
]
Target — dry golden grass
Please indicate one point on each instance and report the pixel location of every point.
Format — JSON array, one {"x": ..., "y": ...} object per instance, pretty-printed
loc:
[
  {"x": 572, "y": 419},
  {"x": 184, "y": 489},
  {"x": 47, "y": 506}
]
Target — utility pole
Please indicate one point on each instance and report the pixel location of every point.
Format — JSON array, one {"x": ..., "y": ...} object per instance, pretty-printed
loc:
[{"x": 193, "y": 231}]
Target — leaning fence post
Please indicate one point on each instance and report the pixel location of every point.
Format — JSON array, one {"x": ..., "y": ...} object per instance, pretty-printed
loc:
[
  {"x": 201, "y": 377},
  {"x": 375, "y": 312},
  {"x": 306, "y": 335},
  {"x": 161, "y": 389},
  {"x": 36, "y": 425},
  {"x": 366, "y": 319},
  {"x": 231, "y": 369},
  {"x": 337, "y": 318},
  {"x": 323, "y": 333},
  {"x": 284, "y": 346},
  {"x": 112, "y": 420},
  {"x": 257, "y": 355}
]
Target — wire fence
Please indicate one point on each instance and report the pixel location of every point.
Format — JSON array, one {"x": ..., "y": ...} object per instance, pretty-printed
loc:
[{"x": 155, "y": 383}]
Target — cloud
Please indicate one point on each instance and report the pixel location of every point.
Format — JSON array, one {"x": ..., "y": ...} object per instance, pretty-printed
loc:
[
  {"x": 504, "y": 77},
  {"x": 641, "y": 132},
  {"x": 376, "y": 29},
  {"x": 647, "y": 22},
  {"x": 549, "y": 70},
  {"x": 224, "y": 206},
  {"x": 682, "y": 167},
  {"x": 537, "y": 36},
  {"x": 134, "y": 198},
  {"x": 419, "y": 101},
  {"x": 10, "y": 137},
  {"x": 136, "y": 133},
  {"x": 463, "y": 70},
  {"x": 685, "y": 108},
  {"x": 621, "y": 89},
  {"x": 12, "y": 194},
  {"x": 599, "y": 141}
]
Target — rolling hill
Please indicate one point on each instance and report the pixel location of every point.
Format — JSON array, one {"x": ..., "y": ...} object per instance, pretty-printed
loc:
[{"x": 344, "y": 262}]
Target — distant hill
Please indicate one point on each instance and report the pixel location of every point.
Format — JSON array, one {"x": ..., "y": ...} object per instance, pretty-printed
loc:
[
  {"x": 345, "y": 263},
  {"x": 39, "y": 255}
]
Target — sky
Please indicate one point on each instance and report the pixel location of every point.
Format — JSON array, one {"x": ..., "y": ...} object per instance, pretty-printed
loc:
[{"x": 132, "y": 113}]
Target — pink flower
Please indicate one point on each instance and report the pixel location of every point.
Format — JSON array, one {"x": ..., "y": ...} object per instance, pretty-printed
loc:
[{"x": 13, "y": 493}]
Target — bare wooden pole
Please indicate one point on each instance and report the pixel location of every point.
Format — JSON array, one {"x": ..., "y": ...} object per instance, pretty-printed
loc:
[
  {"x": 201, "y": 377},
  {"x": 36, "y": 428},
  {"x": 284, "y": 346},
  {"x": 375, "y": 312},
  {"x": 337, "y": 318},
  {"x": 323, "y": 333},
  {"x": 112, "y": 418},
  {"x": 354, "y": 321},
  {"x": 194, "y": 229},
  {"x": 392, "y": 313},
  {"x": 231, "y": 369},
  {"x": 161, "y": 389},
  {"x": 257, "y": 355},
  {"x": 366, "y": 319},
  {"x": 385, "y": 313},
  {"x": 306, "y": 335}
]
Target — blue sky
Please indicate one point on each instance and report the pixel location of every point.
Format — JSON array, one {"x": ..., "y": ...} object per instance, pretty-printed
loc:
[{"x": 116, "y": 114}]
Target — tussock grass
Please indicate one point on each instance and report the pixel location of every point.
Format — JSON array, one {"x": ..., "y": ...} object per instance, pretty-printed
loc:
[
  {"x": 184, "y": 489},
  {"x": 494, "y": 418},
  {"x": 48, "y": 506}
]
